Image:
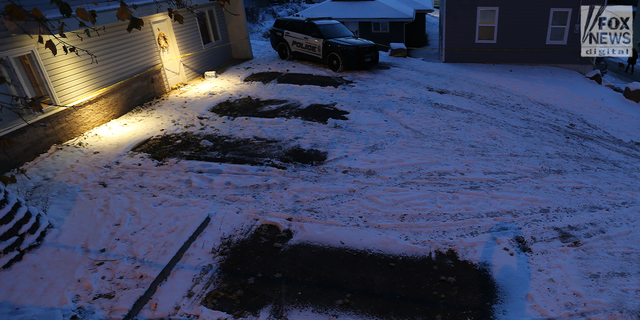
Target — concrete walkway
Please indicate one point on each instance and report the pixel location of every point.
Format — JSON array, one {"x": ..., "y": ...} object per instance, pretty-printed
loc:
[{"x": 612, "y": 66}]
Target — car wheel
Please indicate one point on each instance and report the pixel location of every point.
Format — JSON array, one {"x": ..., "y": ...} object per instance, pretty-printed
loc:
[
  {"x": 283, "y": 51},
  {"x": 334, "y": 61}
]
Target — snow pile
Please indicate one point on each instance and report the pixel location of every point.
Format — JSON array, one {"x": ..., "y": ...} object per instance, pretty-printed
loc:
[
  {"x": 633, "y": 86},
  {"x": 593, "y": 73}
]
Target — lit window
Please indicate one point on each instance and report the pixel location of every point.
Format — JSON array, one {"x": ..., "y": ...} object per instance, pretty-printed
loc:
[
  {"x": 380, "y": 26},
  {"x": 558, "y": 26},
  {"x": 22, "y": 71},
  {"x": 487, "y": 27},
  {"x": 208, "y": 27}
]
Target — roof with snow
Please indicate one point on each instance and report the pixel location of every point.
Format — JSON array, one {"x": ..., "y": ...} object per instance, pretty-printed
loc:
[
  {"x": 371, "y": 9},
  {"x": 419, "y": 5}
]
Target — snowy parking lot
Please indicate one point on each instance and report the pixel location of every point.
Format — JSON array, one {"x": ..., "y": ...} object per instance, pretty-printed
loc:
[{"x": 432, "y": 157}]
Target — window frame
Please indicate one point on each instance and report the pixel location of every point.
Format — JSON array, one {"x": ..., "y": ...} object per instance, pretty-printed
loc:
[
  {"x": 380, "y": 24},
  {"x": 12, "y": 54},
  {"x": 494, "y": 25},
  {"x": 209, "y": 14},
  {"x": 25, "y": 85},
  {"x": 566, "y": 27}
]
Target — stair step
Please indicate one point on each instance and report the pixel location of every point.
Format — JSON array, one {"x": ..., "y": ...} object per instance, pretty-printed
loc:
[
  {"x": 5, "y": 211},
  {"x": 27, "y": 245},
  {"x": 35, "y": 238},
  {"x": 40, "y": 220},
  {"x": 27, "y": 226},
  {"x": 15, "y": 246},
  {"x": 10, "y": 230},
  {"x": 22, "y": 228},
  {"x": 7, "y": 261},
  {"x": 6, "y": 246}
]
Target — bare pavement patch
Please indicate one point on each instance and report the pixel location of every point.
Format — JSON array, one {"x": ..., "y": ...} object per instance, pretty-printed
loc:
[
  {"x": 226, "y": 149},
  {"x": 263, "y": 271},
  {"x": 255, "y": 151},
  {"x": 258, "y": 108}
]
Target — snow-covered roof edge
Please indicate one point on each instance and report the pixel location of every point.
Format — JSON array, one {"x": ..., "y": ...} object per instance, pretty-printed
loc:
[
  {"x": 419, "y": 5},
  {"x": 375, "y": 9},
  {"x": 400, "y": 7}
]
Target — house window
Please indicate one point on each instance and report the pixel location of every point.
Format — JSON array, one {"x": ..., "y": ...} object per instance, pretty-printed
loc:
[
  {"x": 487, "y": 26},
  {"x": 380, "y": 26},
  {"x": 208, "y": 26},
  {"x": 23, "y": 73},
  {"x": 558, "y": 26}
]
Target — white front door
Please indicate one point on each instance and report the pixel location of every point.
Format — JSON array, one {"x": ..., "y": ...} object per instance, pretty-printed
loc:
[{"x": 169, "y": 53}]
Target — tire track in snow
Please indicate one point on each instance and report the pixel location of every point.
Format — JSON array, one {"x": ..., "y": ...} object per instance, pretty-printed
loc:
[{"x": 528, "y": 117}]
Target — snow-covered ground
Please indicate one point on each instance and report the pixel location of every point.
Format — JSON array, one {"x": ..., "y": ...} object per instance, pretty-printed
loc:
[{"x": 433, "y": 157}]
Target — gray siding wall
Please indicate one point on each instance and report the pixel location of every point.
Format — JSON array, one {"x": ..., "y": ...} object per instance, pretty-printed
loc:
[
  {"x": 521, "y": 36},
  {"x": 188, "y": 37},
  {"x": 120, "y": 55},
  {"x": 395, "y": 34}
]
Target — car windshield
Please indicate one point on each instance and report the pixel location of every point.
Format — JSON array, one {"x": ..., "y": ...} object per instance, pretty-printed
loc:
[{"x": 334, "y": 30}]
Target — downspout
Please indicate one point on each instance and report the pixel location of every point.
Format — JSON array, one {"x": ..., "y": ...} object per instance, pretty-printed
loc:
[
  {"x": 404, "y": 27},
  {"x": 404, "y": 32},
  {"x": 237, "y": 29},
  {"x": 442, "y": 30}
]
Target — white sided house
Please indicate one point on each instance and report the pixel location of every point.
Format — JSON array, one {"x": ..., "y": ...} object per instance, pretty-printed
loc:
[{"x": 78, "y": 94}]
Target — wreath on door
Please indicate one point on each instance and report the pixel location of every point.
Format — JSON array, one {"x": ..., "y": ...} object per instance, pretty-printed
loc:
[{"x": 163, "y": 40}]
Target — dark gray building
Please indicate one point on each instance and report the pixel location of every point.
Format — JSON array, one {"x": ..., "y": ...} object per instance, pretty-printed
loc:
[{"x": 506, "y": 31}]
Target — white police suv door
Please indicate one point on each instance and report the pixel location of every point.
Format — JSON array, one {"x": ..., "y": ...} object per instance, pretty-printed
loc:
[{"x": 300, "y": 39}]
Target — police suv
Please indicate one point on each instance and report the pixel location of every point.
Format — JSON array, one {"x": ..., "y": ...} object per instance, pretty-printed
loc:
[{"x": 324, "y": 40}]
